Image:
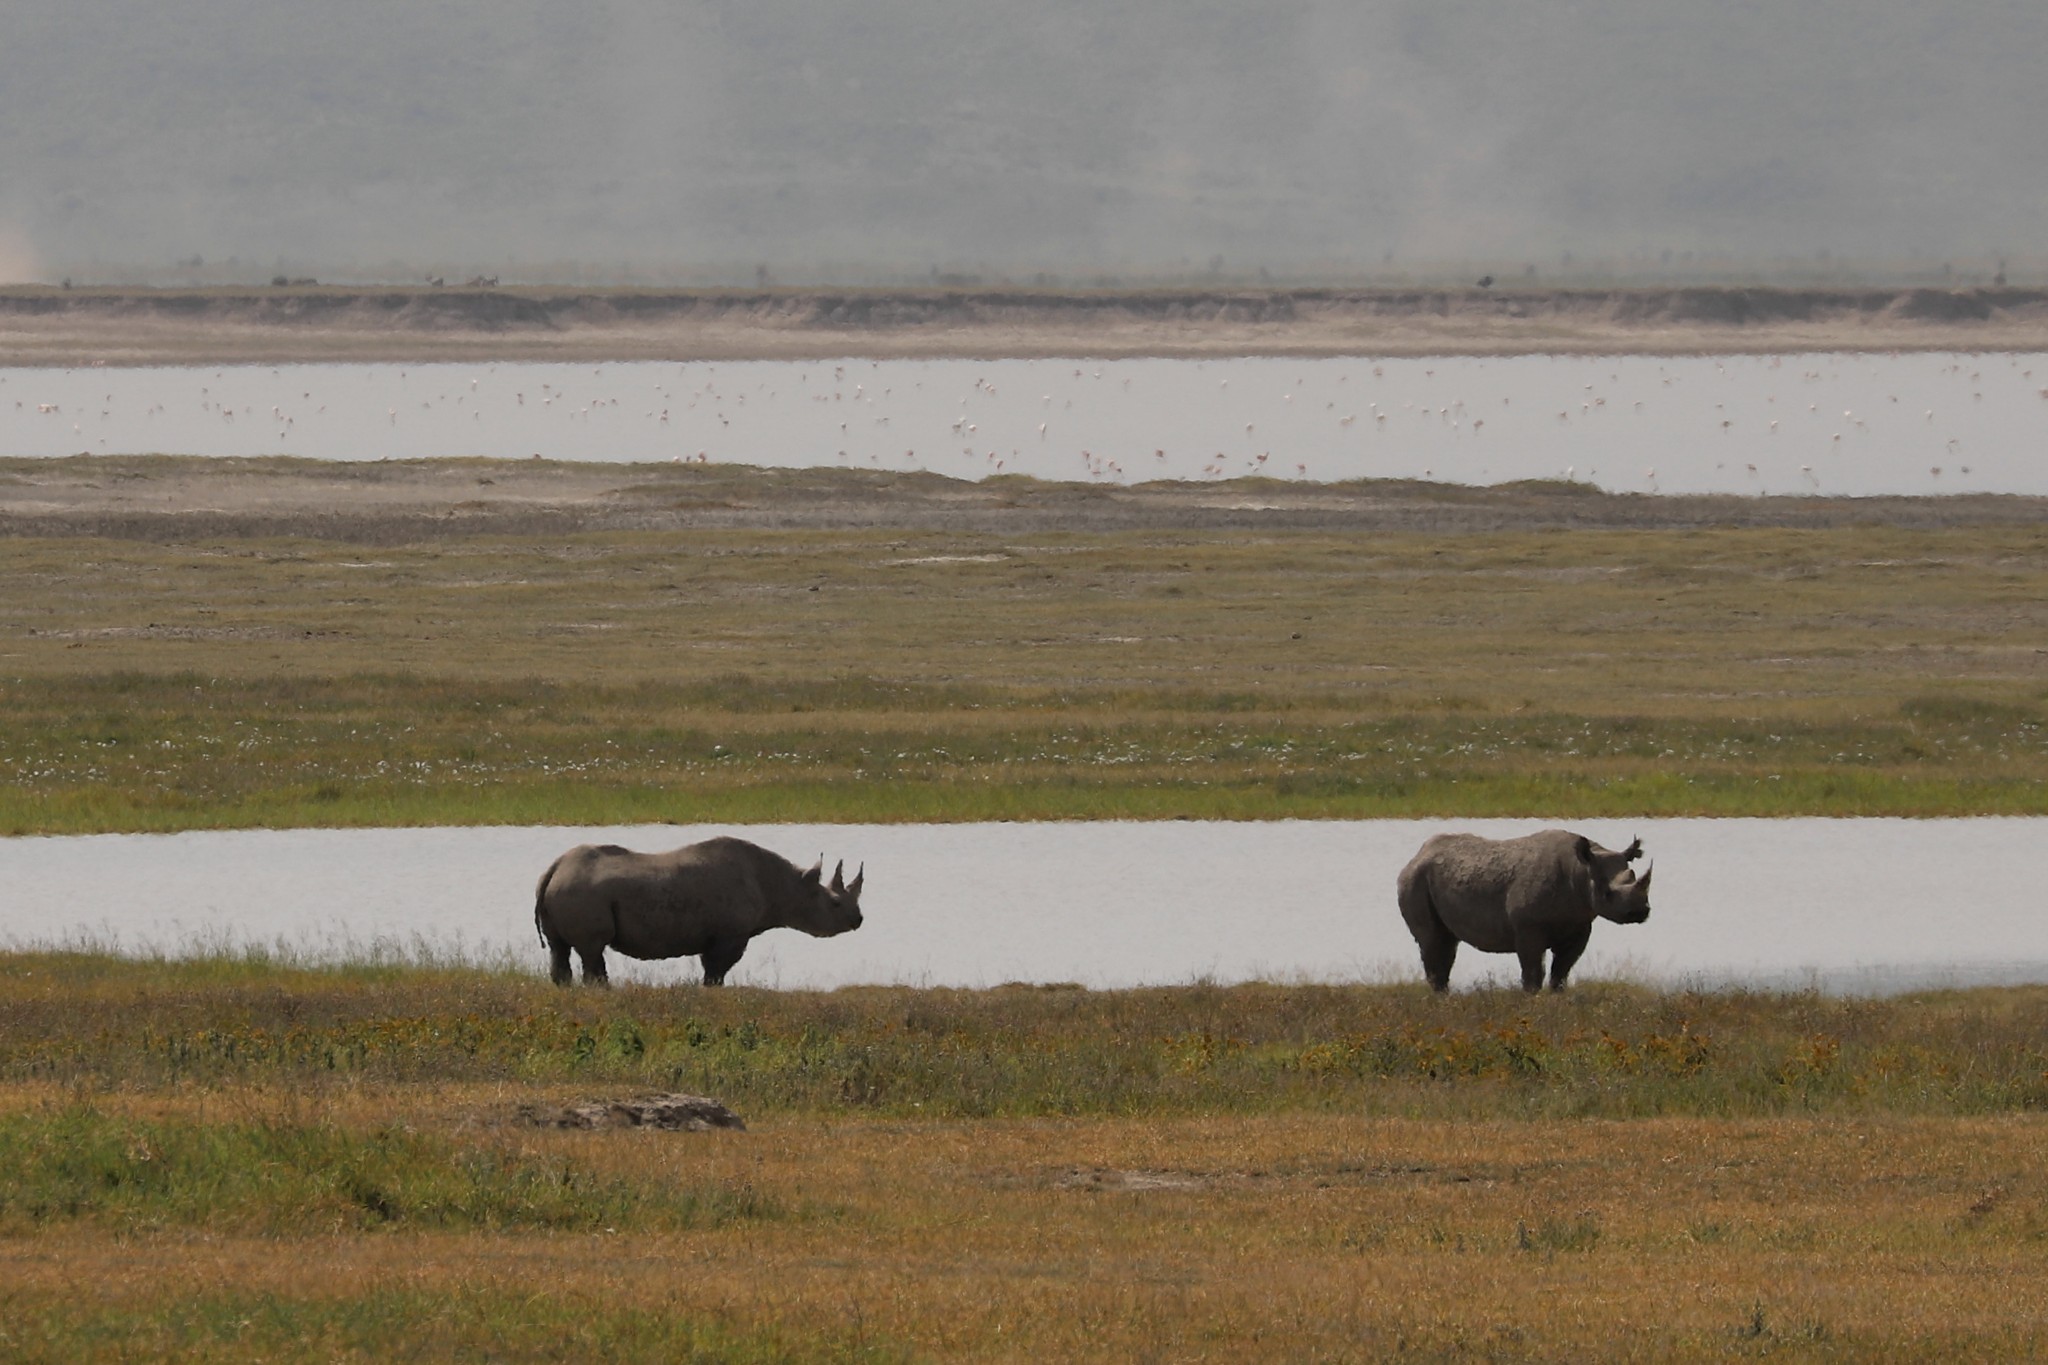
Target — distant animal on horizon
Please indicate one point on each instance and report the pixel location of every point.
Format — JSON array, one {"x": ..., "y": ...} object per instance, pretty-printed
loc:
[
  {"x": 1529, "y": 896},
  {"x": 704, "y": 900}
]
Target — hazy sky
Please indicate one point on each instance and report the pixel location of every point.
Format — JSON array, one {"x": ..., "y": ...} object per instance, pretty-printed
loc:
[{"x": 365, "y": 137}]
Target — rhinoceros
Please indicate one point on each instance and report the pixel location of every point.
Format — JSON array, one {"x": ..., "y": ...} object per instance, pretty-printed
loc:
[
  {"x": 704, "y": 900},
  {"x": 1527, "y": 896}
]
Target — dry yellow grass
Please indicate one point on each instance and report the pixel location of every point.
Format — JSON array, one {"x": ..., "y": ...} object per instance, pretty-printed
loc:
[{"x": 1293, "y": 1237}]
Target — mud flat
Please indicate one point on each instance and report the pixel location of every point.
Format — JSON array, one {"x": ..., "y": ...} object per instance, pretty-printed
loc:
[{"x": 312, "y": 323}]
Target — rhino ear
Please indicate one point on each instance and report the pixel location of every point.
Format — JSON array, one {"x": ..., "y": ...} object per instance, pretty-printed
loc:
[
  {"x": 1635, "y": 851},
  {"x": 1583, "y": 848},
  {"x": 815, "y": 872}
]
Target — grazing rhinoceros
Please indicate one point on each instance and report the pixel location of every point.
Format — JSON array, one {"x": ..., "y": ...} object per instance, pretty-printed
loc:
[
  {"x": 703, "y": 901},
  {"x": 1523, "y": 896}
]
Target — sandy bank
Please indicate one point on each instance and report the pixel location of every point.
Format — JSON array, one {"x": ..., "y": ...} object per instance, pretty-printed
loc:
[
  {"x": 312, "y": 323},
  {"x": 172, "y": 499}
]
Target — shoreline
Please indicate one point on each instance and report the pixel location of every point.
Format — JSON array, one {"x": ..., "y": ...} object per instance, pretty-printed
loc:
[
  {"x": 310, "y": 324},
  {"x": 177, "y": 498}
]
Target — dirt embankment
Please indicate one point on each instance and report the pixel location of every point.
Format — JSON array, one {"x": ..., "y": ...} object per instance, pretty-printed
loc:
[
  {"x": 43, "y": 326},
  {"x": 171, "y": 499}
]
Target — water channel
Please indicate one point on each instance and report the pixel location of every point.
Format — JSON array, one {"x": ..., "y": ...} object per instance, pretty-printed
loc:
[
  {"x": 1846, "y": 424},
  {"x": 1864, "y": 906}
]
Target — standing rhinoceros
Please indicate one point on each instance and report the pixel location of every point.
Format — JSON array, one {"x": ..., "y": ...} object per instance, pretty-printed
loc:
[
  {"x": 705, "y": 901},
  {"x": 1523, "y": 896}
]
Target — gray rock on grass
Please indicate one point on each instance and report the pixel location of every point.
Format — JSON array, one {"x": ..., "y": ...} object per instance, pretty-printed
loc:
[{"x": 676, "y": 1113}]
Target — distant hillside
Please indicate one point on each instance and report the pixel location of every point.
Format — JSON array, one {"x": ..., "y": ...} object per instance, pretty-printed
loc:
[
  {"x": 647, "y": 137},
  {"x": 41, "y": 325}
]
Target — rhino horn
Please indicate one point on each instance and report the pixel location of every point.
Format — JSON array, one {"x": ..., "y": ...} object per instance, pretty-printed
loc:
[
  {"x": 853, "y": 889},
  {"x": 838, "y": 876},
  {"x": 1643, "y": 886}
]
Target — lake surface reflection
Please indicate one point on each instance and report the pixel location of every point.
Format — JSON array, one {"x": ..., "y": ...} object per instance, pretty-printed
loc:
[
  {"x": 1853, "y": 905},
  {"x": 1838, "y": 424}
]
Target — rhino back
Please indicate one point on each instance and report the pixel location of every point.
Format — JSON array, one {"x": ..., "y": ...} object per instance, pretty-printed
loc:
[
  {"x": 661, "y": 905},
  {"x": 1481, "y": 887}
]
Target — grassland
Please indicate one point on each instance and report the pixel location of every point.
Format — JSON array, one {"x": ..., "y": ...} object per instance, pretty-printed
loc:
[
  {"x": 247, "y": 1158},
  {"x": 956, "y": 666},
  {"x": 241, "y": 1158}
]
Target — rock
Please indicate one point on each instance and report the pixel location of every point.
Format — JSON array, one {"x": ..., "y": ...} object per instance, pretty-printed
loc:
[{"x": 686, "y": 1113}]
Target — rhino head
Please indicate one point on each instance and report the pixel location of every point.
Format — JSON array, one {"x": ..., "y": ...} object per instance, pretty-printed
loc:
[
  {"x": 829, "y": 909},
  {"x": 1617, "y": 894}
]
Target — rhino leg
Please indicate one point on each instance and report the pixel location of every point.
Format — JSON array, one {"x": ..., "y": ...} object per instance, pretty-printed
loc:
[
  {"x": 1438, "y": 945},
  {"x": 558, "y": 962},
  {"x": 719, "y": 958},
  {"x": 1530, "y": 951},
  {"x": 593, "y": 966},
  {"x": 1564, "y": 955},
  {"x": 1439, "y": 949},
  {"x": 1438, "y": 953}
]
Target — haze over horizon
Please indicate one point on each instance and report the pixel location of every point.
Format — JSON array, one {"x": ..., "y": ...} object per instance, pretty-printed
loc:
[{"x": 632, "y": 141}]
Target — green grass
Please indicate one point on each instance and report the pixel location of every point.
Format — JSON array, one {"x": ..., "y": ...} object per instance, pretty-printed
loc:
[
  {"x": 1605, "y": 1049},
  {"x": 146, "y": 752},
  {"x": 599, "y": 679},
  {"x": 76, "y": 1164}
]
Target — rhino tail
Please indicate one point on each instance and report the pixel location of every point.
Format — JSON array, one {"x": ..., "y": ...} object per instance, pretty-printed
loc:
[
  {"x": 540, "y": 901},
  {"x": 1412, "y": 894}
]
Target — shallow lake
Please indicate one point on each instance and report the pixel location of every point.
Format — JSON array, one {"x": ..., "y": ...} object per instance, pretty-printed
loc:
[
  {"x": 1852, "y": 905},
  {"x": 1828, "y": 423}
]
